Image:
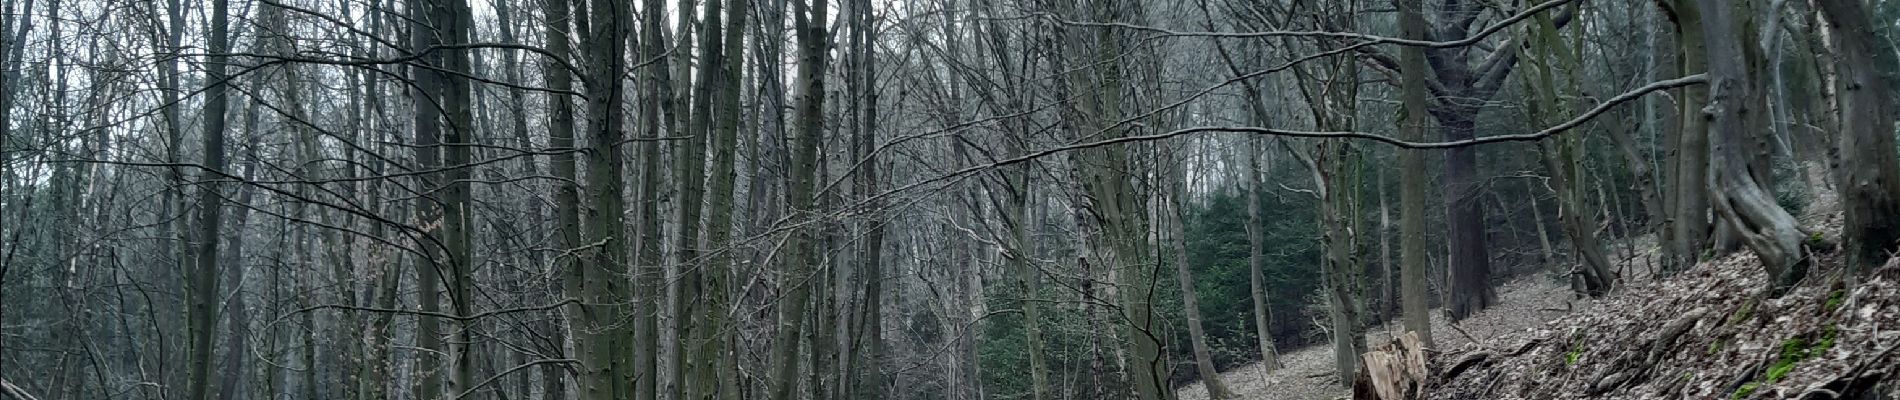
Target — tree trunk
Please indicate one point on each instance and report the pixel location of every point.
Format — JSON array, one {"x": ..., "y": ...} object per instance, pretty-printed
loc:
[
  {"x": 238, "y": 325},
  {"x": 689, "y": 157},
  {"x": 204, "y": 279},
  {"x": 1257, "y": 259},
  {"x": 1767, "y": 229},
  {"x": 1692, "y": 227},
  {"x": 1469, "y": 271},
  {"x": 1412, "y": 180},
  {"x": 862, "y": 86},
  {"x": 1190, "y": 301},
  {"x": 649, "y": 267},
  {"x": 567, "y": 201},
  {"x": 1869, "y": 176},
  {"x": 598, "y": 277},
  {"x": 809, "y": 25},
  {"x": 1546, "y": 52}
]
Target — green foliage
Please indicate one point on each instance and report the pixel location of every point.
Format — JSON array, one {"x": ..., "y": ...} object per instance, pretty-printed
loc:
[
  {"x": 1576, "y": 352},
  {"x": 1835, "y": 299},
  {"x": 1218, "y": 252},
  {"x": 1745, "y": 390}
]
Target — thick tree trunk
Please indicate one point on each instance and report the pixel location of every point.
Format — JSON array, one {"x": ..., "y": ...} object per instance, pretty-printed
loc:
[
  {"x": 598, "y": 278},
  {"x": 1869, "y": 175},
  {"x": 1469, "y": 271},
  {"x": 1767, "y": 229},
  {"x": 426, "y": 96}
]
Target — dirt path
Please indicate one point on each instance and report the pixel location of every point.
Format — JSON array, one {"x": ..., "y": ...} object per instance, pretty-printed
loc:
[{"x": 1526, "y": 302}]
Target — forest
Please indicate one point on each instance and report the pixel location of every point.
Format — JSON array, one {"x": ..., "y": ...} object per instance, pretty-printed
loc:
[{"x": 888, "y": 199}]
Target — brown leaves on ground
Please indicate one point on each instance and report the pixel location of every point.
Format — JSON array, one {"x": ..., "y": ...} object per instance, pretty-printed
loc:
[{"x": 1707, "y": 333}]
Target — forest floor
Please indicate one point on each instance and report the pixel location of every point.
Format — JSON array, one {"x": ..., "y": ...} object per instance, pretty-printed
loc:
[
  {"x": 1705, "y": 333},
  {"x": 1527, "y": 301}
]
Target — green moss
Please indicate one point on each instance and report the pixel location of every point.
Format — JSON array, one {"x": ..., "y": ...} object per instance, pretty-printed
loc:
[
  {"x": 1715, "y": 346},
  {"x": 1815, "y": 239},
  {"x": 1826, "y": 343},
  {"x": 1792, "y": 352},
  {"x": 1745, "y": 390},
  {"x": 1747, "y": 310},
  {"x": 1834, "y": 300}
]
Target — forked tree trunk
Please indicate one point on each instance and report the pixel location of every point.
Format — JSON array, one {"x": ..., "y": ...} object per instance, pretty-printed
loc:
[
  {"x": 801, "y": 260},
  {"x": 1768, "y": 229}
]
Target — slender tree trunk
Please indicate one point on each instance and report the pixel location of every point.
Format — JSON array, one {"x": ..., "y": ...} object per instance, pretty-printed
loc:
[
  {"x": 204, "y": 287},
  {"x": 238, "y": 325},
  {"x": 1692, "y": 227},
  {"x": 1546, "y": 51},
  {"x": 716, "y": 375},
  {"x": 809, "y": 25},
  {"x": 1412, "y": 180},
  {"x": 690, "y": 177},
  {"x": 871, "y": 251},
  {"x": 649, "y": 265},
  {"x": 1176, "y": 215},
  {"x": 567, "y": 201},
  {"x": 1257, "y": 259}
]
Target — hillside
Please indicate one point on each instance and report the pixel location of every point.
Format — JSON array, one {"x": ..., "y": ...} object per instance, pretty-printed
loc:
[
  {"x": 1527, "y": 301},
  {"x": 1705, "y": 334}
]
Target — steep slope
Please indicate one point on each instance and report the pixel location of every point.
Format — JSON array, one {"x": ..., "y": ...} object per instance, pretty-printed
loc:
[{"x": 1704, "y": 334}]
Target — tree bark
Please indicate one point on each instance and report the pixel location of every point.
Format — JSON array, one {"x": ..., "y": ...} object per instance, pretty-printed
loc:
[
  {"x": 1869, "y": 175},
  {"x": 1690, "y": 219},
  {"x": 809, "y": 25},
  {"x": 204, "y": 286},
  {"x": 1767, "y": 229},
  {"x": 1190, "y": 301},
  {"x": 567, "y": 201},
  {"x": 598, "y": 279},
  {"x": 1412, "y": 264}
]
